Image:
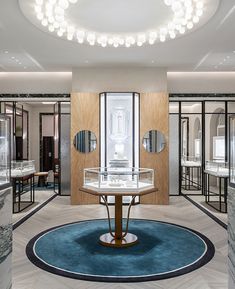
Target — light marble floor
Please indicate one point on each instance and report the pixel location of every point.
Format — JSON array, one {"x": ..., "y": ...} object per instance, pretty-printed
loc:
[
  {"x": 180, "y": 211},
  {"x": 40, "y": 197},
  {"x": 201, "y": 201}
]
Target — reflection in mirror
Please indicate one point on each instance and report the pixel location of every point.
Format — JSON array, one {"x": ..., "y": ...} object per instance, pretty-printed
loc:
[
  {"x": 85, "y": 141},
  {"x": 154, "y": 141},
  {"x": 184, "y": 137}
]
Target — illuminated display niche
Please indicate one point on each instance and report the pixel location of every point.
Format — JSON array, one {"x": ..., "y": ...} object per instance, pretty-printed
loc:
[{"x": 119, "y": 132}]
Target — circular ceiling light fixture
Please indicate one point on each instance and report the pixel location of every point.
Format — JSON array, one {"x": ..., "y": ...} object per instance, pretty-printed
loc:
[{"x": 173, "y": 18}]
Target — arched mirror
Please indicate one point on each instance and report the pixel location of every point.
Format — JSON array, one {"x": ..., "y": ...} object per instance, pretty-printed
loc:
[
  {"x": 154, "y": 141},
  {"x": 85, "y": 141}
]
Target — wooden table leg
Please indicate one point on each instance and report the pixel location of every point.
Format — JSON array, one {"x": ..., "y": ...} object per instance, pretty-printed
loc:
[
  {"x": 118, "y": 217},
  {"x": 118, "y": 238}
]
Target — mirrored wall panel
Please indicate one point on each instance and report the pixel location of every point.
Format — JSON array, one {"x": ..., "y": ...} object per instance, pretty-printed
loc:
[{"x": 85, "y": 141}]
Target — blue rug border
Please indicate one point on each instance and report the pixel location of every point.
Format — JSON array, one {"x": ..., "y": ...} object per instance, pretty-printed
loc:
[{"x": 201, "y": 262}]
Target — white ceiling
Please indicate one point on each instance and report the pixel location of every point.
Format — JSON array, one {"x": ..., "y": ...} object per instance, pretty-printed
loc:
[{"x": 24, "y": 47}]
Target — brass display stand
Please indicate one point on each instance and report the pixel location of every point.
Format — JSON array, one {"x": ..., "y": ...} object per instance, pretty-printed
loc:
[{"x": 119, "y": 238}]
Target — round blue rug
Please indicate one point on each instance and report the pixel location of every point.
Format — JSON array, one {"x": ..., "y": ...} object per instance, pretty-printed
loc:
[{"x": 164, "y": 250}]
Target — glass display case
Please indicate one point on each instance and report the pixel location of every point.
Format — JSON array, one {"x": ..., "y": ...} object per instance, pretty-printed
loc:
[
  {"x": 190, "y": 161},
  {"x": 125, "y": 179},
  {"x": 4, "y": 151},
  {"x": 119, "y": 130},
  {"x": 217, "y": 168},
  {"x": 22, "y": 168}
]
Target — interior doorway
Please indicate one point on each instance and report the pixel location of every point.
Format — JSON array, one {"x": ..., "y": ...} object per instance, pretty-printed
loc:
[
  {"x": 48, "y": 153},
  {"x": 55, "y": 145},
  {"x": 46, "y": 141}
]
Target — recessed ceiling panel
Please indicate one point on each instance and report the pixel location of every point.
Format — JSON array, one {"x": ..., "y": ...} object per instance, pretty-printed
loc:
[
  {"x": 219, "y": 61},
  {"x": 11, "y": 60}
]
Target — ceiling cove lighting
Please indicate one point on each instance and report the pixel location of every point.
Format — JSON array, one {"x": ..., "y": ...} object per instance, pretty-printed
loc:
[
  {"x": 52, "y": 13},
  {"x": 123, "y": 23}
]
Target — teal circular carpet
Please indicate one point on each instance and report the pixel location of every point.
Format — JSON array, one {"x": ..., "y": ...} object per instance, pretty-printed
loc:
[{"x": 164, "y": 250}]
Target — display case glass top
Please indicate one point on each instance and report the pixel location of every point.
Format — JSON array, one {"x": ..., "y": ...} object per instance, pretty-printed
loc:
[
  {"x": 4, "y": 151},
  {"x": 118, "y": 179},
  {"x": 217, "y": 168},
  {"x": 22, "y": 168},
  {"x": 190, "y": 161}
]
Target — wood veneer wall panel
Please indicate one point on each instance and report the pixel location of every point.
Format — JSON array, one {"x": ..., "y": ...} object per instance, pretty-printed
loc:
[
  {"x": 84, "y": 116},
  {"x": 154, "y": 115}
]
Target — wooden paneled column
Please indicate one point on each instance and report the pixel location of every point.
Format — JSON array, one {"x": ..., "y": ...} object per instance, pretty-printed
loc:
[
  {"x": 154, "y": 115},
  {"x": 84, "y": 116}
]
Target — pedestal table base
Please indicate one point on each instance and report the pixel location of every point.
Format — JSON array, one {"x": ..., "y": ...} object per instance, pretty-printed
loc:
[{"x": 109, "y": 241}]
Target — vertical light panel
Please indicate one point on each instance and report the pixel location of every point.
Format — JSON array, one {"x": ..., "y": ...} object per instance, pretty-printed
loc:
[
  {"x": 136, "y": 125},
  {"x": 102, "y": 130},
  {"x": 137, "y": 129}
]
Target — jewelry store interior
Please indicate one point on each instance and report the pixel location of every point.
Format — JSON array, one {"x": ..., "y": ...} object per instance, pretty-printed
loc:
[{"x": 117, "y": 144}]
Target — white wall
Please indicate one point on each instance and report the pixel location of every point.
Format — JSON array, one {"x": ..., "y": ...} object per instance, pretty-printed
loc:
[
  {"x": 35, "y": 82},
  {"x": 116, "y": 79},
  {"x": 201, "y": 82},
  {"x": 139, "y": 79},
  {"x": 48, "y": 125}
]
